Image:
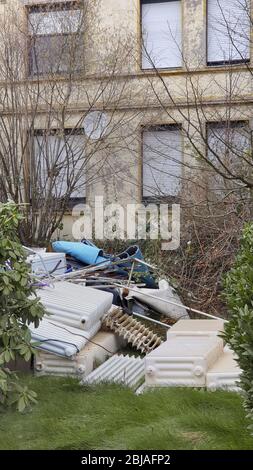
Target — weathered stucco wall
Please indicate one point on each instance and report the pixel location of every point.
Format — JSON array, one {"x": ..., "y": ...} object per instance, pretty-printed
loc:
[{"x": 113, "y": 48}]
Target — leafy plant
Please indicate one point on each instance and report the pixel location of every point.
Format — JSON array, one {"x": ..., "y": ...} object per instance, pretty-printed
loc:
[
  {"x": 19, "y": 307},
  {"x": 238, "y": 292}
]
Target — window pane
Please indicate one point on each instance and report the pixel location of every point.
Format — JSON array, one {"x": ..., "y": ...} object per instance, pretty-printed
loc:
[
  {"x": 229, "y": 151},
  {"x": 228, "y": 30},
  {"x": 161, "y": 34},
  {"x": 60, "y": 165},
  {"x": 55, "y": 22},
  {"x": 162, "y": 154},
  {"x": 52, "y": 54}
]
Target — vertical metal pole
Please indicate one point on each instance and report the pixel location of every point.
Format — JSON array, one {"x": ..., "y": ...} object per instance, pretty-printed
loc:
[{"x": 131, "y": 274}]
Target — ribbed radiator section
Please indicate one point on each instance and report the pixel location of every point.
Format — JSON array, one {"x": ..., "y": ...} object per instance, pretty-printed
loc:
[
  {"x": 60, "y": 339},
  {"x": 132, "y": 330},
  {"x": 74, "y": 305},
  {"x": 47, "y": 364},
  {"x": 121, "y": 369},
  {"x": 102, "y": 346}
]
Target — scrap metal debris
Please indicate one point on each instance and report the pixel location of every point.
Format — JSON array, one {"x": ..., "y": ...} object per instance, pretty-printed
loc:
[
  {"x": 155, "y": 300},
  {"x": 132, "y": 330},
  {"x": 101, "y": 347},
  {"x": 96, "y": 291},
  {"x": 118, "y": 369}
]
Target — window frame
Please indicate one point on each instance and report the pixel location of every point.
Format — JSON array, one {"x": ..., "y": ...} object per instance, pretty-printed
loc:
[
  {"x": 152, "y": 69},
  {"x": 48, "y": 7},
  {"x": 156, "y": 199},
  {"x": 51, "y": 132},
  {"x": 222, "y": 63},
  {"x": 243, "y": 123}
]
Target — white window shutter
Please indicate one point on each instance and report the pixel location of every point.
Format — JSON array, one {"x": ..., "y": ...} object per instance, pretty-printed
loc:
[
  {"x": 228, "y": 30},
  {"x": 162, "y": 156},
  {"x": 161, "y": 34}
]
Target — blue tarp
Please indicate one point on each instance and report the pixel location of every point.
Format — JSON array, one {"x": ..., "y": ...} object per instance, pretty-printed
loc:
[{"x": 87, "y": 254}]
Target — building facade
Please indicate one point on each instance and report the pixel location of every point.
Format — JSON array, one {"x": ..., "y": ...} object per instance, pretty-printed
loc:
[{"x": 140, "y": 89}]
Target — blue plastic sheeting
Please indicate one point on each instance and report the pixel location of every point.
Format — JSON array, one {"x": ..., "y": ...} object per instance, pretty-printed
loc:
[{"x": 87, "y": 254}]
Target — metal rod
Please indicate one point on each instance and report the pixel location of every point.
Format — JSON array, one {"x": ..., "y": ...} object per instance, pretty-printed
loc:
[
  {"x": 92, "y": 268},
  {"x": 131, "y": 274},
  {"x": 112, "y": 284},
  {"x": 100, "y": 286},
  {"x": 151, "y": 319},
  {"x": 145, "y": 264},
  {"x": 170, "y": 302},
  {"x": 106, "y": 279}
]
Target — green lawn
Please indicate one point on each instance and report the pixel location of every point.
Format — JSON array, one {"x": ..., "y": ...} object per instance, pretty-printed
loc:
[{"x": 111, "y": 417}]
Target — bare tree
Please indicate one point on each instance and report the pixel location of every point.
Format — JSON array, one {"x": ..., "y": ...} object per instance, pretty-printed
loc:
[
  {"x": 217, "y": 131},
  {"x": 61, "y": 112},
  {"x": 197, "y": 146}
]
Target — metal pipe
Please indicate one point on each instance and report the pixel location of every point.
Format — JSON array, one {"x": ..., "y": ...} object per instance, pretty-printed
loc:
[
  {"x": 151, "y": 319},
  {"x": 100, "y": 286},
  {"x": 131, "y": 274},
  {"x": 91, "y": 268},
  {"x": 170, "y": 302},
  {"x": 145, "y": 264},
  {"x": 112, "y": 284}
]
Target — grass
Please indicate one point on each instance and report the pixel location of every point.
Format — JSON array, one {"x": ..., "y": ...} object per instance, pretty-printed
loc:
[{"x": 69, "y": 416}]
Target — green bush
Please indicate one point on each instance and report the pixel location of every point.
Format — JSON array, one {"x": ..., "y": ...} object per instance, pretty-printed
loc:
[
  {"x": 238, "y": 292},
  {"x": 19, "y": 307}
]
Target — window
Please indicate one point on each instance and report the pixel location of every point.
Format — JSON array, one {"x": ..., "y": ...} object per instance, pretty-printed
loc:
[
  {"x": 59, "y": 167},
  {"x": 229, "y": 151},
  {"x": 56, "y": 38},
  {"x": 162, "y": 152},
  {"x": 161, "y": 34},
  {"x": 228, "y": 31}
]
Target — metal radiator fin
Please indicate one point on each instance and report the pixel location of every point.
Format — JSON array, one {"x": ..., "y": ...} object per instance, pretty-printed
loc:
[{"x": 132, "y": 330}]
